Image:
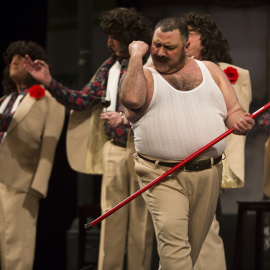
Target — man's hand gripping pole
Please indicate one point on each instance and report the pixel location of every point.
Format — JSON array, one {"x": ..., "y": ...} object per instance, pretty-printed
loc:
[{"x": 88, "y": 226}]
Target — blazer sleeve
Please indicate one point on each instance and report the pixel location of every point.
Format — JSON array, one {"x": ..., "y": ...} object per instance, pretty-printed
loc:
[
  {"x": 52, "y": 130},
  {"x": 233, "y": 175},
  {"x": 245, "y": 93}
]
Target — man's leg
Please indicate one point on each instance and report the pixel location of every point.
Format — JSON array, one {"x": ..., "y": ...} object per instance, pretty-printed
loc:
[
  {"x": 204, "y": 193},
  {"x": 169, "y": 208},
  {"x": 140, "y": 233},
  {"x": 182, "y": 210},
  {"x": 212, "y": 255},
  {"x": 114, "y": 189},
  {"x": 20, "y": 212}
]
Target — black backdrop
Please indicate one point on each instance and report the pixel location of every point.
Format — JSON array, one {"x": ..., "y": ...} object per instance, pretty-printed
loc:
[{"x": 22, "y": 20}]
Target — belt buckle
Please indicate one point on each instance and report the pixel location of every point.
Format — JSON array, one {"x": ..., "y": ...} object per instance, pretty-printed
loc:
[{"x": 197, "y": 168}]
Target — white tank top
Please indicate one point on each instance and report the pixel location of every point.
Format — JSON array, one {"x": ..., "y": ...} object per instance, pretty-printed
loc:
[{"x": 178, "y": 123}]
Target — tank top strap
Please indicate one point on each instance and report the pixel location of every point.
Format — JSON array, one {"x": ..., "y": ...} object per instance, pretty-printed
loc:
[{"x": 205, "y": 72}]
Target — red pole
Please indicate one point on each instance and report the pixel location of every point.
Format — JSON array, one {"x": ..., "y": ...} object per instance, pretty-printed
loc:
[{"x": 88, "y": 226}]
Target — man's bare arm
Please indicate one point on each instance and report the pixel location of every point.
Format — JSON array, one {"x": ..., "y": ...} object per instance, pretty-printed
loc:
[
  {"x": 236, "y": 116},
  {"x": 134, "y": 85}
]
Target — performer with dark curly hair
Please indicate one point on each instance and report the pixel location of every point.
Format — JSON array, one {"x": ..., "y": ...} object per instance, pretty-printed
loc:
[
  {"x": 21, "y": 48},
  {"x": 207, "y": 42},
  {"x": 31, "y": 122},
  {"x": 213, "y": 45},
  {"x": 91, "y": 150}
]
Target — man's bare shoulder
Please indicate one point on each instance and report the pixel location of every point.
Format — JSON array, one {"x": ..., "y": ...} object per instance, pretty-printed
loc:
[
  {"x": 214, "y": 69},
  {"x": 149, "y": 64},
  {"x": 210, "y": 65},
  {"x": 147, "y": 71}
]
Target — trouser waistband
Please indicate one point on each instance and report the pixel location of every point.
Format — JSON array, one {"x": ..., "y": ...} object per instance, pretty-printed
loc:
[
  {"x": 190, "y": 166},
  {"x": 119, "y": 143}
]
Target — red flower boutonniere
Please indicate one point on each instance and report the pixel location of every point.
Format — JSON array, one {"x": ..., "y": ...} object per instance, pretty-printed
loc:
[
  {"x": 232, "y": 74},
  {"x": 36, "y": 91}
]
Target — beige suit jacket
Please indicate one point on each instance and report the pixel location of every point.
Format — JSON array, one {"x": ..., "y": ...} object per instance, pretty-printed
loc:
[
  {"x": 85, "y": 139},
  {"x": 234, "y": 163},
  {"x": 266, "y": 179},
  {"x": 27, "y": 151}
]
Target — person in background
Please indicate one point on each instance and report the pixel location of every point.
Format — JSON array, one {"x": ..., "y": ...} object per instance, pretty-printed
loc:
[
  {"x": 207, "y": 42},
  {"x": 31, "y": 122},
  {"x": 172, "y": 114},
  {"x": 100, "y": 147},
  {"x": 264, "y": 124}
]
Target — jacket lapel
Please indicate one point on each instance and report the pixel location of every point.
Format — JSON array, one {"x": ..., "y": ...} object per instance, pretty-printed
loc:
[
  {"x": 23, "y": 109},
  {"x": 3, "y": 97}
]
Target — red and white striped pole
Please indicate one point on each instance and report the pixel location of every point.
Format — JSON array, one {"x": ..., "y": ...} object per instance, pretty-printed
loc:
[{"x": 88, "y": 226}]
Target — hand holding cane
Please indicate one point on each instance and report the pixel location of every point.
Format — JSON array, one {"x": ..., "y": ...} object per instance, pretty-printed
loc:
[{"x": 88, "y": 226}]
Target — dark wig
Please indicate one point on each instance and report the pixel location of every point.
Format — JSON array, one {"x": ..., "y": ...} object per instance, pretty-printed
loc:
[
  {"x": 216, "y": 46},
  {"x": 21, "y": 48},
  {"x": 126, "y": 25}
]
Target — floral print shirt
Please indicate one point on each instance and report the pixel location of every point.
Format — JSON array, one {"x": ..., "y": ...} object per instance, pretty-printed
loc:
[
  {"x": 264, "y": 122},
  {"x": 90, "y": 95}
]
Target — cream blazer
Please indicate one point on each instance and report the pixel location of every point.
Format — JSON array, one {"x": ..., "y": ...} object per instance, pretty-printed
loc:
[
  {"x": 85, "y": 139},
  {"x": 266, "y": 178},
  {"x": 27, "y": 151},
  {"x": 234, "y": 163}
]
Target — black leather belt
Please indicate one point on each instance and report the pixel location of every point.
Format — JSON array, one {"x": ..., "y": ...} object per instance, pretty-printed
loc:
[
  {"x": 119, "y": 143},
  {"x": 199, "y": 165}
]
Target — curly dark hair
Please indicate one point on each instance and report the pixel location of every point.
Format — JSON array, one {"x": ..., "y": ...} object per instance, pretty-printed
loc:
[
  {"x": 21, "y": 47},
  {"x": 216, "y": 46},
  {"x": 126, "y": 25}
]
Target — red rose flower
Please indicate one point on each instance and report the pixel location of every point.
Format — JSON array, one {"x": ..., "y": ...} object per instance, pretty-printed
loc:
[
  {"x": 232, "y": 74},
  {"x": 36, "y": 91}
]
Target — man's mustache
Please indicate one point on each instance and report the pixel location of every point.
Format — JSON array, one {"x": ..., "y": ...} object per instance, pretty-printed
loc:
[{"x": 162, "y": 59}]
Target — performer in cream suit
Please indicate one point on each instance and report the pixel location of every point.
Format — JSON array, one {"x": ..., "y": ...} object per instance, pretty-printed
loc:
[
  {"x": 31, "y": 122},
  {"x": 212, "y": 46},
  {"x": 266, "y": 177},
  {"x": 264, "y": 123},
  {"x": 90, "y": 150}
]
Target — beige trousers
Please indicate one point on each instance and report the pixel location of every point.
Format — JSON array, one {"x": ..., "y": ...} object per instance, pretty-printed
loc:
[
  {"x": 212, "y": 256},
  {"x": 18, "y": 216},
  {"x": 182, "y": 207},
  {"x": 129, "y": 229}
]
